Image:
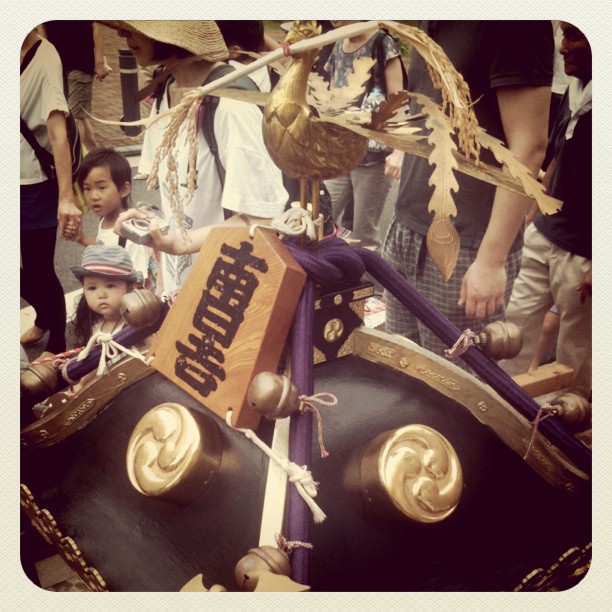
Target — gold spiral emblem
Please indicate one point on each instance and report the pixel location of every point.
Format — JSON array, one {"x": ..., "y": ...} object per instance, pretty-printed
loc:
[
  {"x": 165, "y": 455},
  {"x": 415, "y": 470}
]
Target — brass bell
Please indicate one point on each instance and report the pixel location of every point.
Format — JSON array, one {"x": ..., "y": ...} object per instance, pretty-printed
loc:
[
  {"x": 258, "y": 560},
  {"x": 574, "y": 410},
  {"x": 501, "y": 340},
  {"x": 273, "y": 395},
  {"x": 39, "y": 381},
  {"x": 140, "y": 308}
]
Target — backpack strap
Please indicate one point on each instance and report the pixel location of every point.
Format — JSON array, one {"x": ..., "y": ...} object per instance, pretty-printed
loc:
[
  {"x": 44, "y": 157},
  {"x": 27, "y": 58},
  {"x": 161, "y": 88},
  {"x": 378, "y": 53},
  {"x": 206, "y": 116}
]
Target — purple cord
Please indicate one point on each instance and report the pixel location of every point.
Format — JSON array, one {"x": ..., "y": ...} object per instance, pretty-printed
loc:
[
  {"x": 484, "y": 366},
  {"x": 127, "y": 337},
  {"x": 300, "y": 428}
]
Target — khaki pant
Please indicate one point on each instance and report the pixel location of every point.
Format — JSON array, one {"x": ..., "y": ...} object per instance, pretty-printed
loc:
[{"x": 551, "y": 275}]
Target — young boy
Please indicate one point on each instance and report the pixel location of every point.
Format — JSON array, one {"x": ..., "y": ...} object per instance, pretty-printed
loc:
[{"x": 105, "y": 178}]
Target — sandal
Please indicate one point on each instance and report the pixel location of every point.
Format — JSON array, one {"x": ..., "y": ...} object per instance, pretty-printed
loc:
[{"x": 33, "y": 335}]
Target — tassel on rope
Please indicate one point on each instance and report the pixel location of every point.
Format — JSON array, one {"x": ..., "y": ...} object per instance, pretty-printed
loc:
[
  {"x": 325, "y": 399},
  {"x": 466, "y": 340},
  {"x": 110, "y": 349},
  {"x": 298, "y": 475},
  {"x": 546, "y": 410},
  {"x": 288, "y": 546}
]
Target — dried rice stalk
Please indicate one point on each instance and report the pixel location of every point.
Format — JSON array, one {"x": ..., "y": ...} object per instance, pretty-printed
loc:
[
  {"x": 185, "y": 112},
  {"x": 456, "y": 99}
]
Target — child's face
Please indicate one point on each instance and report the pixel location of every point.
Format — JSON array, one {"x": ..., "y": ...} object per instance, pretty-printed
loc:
[
  {"x": 103, "y": 295},
  {"x": 101, "y": 194}
]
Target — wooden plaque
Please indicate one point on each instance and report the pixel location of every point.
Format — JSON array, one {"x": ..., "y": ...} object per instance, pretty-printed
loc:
[{"x": 230, "y": 320}]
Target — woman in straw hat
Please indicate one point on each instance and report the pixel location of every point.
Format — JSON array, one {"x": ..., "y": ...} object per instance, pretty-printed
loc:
[{"x": 190, "y": 50}]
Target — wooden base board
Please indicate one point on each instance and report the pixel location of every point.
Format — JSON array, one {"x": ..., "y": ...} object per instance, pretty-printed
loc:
[{"x": 546, "y": 379}]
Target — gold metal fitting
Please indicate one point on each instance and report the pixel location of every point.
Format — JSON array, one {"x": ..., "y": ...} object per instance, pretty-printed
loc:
[
  {"x": 39, "y": 381},
  {"x": 273, "y": 395},
  {"x": 501, "y": 340},
  {"x": 413, "y": 470},
  {"x": 170, "y": 455},
  {"x": 261, "y": 559},
  {"x": 333, "y": 330},
  {"x": 140, "y": 308},
  {"x": 574, "y": 410}
]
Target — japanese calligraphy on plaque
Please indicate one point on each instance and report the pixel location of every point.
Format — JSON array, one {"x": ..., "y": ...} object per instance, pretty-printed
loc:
[{"x": 230, "y": 320}]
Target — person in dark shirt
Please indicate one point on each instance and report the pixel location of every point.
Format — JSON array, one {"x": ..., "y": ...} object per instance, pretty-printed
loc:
[
  {"x": 508, "y": 66},
  {"x": 80, "y": 45},
  {"x": 556, "y": 266}
]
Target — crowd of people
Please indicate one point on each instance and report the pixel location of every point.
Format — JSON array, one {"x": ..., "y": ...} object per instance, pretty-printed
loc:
[{"x": 514, "y": 263}]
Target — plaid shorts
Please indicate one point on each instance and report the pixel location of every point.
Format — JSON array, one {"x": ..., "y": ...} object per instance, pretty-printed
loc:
[
  {"x": 79, "y": 87},
  {"x": 406, "y": 252}
]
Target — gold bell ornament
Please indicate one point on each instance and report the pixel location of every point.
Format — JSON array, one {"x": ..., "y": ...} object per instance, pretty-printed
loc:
[
  {"x": 273, "y": 395},
  {"x": 257, "y": 561},
  {"x": 574, "y": 410},
  {"x": 141, "y": 308},
  {"x": 501, "y": 340},
  {"x": 39, "y": 381}
]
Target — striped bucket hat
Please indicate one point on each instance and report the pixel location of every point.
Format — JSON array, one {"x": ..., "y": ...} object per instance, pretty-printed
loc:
[{"x": 111, "y": 262}]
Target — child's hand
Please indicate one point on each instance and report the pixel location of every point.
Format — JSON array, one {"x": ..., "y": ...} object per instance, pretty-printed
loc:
[{"x": 72, "y": 233}]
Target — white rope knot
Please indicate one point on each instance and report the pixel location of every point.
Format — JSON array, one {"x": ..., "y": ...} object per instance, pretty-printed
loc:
[
  {"x": 467, "y": 339},
  {"x": 110, "y": 349},
  {"x": 300, "y": 476},
  {"x": 293, "y": 222}
]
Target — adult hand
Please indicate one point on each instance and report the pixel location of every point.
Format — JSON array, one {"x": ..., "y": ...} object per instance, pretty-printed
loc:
[
  {"x": 586, "y": 286},
  {"x": 69, "y": 217},
  {"x": 102, "y": 70},
  {"x": 168, "y": 242},
  {"x": 482, "y": 290},
  {"x": 393, "y": 164}
]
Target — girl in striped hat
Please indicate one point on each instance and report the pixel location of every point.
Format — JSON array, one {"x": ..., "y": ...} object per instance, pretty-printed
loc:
[{"x": 107, "y": 274}]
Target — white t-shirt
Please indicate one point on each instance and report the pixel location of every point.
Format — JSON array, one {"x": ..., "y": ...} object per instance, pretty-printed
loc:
[
  {"x": 139, "y": 253},
  {"x": 41, "y": 93},
  {"x": 261, "y": 76},
  {"x": 253, "y": 183}
]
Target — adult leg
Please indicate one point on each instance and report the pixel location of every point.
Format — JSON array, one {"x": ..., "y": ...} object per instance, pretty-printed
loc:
[
  {"x": 80, "y": 92},
  {"x": 445, "y": 295},
  {"x": 575, "y": 332},
  {"x": 400, "y": 251},
  {"x": 531, "y": 298},
  {"x": 341, "y": 194},
  {"x": 370, "y": 189},
  {"x": 40, "y": 286}
]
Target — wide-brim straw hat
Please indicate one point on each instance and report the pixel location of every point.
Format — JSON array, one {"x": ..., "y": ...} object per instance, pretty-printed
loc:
[
  {"x": 202, "y": 38},
  {"x": 112, "y": 262}
]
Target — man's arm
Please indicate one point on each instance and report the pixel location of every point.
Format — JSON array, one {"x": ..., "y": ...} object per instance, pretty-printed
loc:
[
  {"x": 524, "y": 115},
  {"x": 67, "y": 212},
  {"x": 101, "y": 70}
]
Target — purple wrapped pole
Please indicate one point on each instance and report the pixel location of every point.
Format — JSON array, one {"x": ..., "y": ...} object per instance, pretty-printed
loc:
[{"x": 127, "y": 337}]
